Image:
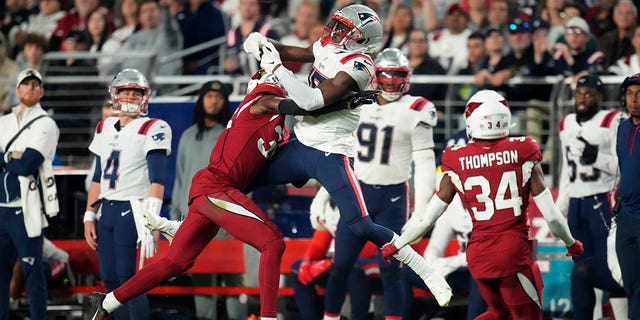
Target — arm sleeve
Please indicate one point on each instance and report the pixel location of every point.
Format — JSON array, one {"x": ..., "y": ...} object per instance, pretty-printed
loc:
[
  {"x": 157, "y": 165},
  {"x": 555, "y": 219},
  {"x": 27, "y": 165},
  {"x": 424, "y": 180},
  {"x": 319, "y": 245},
  {"x": 440, "y": 237},
  {"x": 97, "y": 172},
  {"x": 303, "y": 95}
]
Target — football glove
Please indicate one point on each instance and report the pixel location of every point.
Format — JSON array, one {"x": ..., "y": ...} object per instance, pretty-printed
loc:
[
  {"x": 575, "y": 250},
  {"x": 269, "y": 56},
  {"x": 148, "y": 246},
  {"x": 363, "y": 97},
  {"x": 251, "y": 45},
  {"x": 388, "y": 250},
  {"x": 309, "y": 270}
]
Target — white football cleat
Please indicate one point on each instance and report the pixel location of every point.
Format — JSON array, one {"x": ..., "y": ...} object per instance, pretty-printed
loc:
[{"x": 438, "y": 286}]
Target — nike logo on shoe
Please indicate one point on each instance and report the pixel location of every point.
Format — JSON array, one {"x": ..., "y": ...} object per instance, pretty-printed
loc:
[
  {"x": 125, "y": 212},
  {"x": 395, "y": 199}
]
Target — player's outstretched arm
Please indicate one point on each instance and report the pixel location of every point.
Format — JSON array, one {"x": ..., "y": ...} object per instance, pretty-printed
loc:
[
  {"x": 252, "y": 45},
  {"x": 550, "y": 212},
  {"x": 421, "y": 222},
  {"x": 273, "y": 104}
]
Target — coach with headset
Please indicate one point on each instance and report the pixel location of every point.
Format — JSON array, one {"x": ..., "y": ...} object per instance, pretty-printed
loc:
[
  {"x": 628, "y": 196},
  {"x": 28, "y": 140}
]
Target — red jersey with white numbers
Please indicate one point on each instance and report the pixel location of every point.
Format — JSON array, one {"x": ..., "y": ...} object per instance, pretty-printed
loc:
[
  {"x": 492, "y": 179},
  {"x": 243, "y": 147}
]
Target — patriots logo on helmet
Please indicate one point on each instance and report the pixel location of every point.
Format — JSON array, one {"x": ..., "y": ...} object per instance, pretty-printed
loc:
[{"x": 363, "y": 16}]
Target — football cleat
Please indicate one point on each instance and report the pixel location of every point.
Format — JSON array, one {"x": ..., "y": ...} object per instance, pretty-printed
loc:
[
  {"x": 438, "y": 286},
  {"x": 167, "y": 227},
  {"x": 95, "y": 303}
]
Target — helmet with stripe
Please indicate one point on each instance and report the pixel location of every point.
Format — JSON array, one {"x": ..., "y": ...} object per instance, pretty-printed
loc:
[
  {"x": 130, "y": 79},
  {"x": 392, "y": 73},
  {"x": 355, "y": 28},
  {"x": 487, "y": 115}
]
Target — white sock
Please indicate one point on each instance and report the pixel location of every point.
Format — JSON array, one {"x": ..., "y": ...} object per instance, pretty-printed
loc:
[
  {"x": 597, "y": 308},
  {"x": 110, "y": 303},
  {"x": 412, "y": 259},
  {"x": 331, "y": 317},
  {"x": 620, "y": 307},
  {"x": 267, "y": 318}
]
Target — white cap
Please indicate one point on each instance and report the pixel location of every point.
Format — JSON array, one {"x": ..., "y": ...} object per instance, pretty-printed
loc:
[
  {"x": 577, "y": 22},
  {"x": 28, "y": 73}
]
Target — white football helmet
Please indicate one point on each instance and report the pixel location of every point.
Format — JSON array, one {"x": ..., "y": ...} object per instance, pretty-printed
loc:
[
  {"x": 262, "y": 76},
  {"x": 355, "y": 28},
  {"x": 130, "y": 79},
  {"x": 488, "y": 116},
  {"x": 392, "y": 73}
]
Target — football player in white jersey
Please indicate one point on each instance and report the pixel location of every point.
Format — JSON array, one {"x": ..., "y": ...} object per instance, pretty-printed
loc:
[
  {"x": 589, "y": 174},
  {"x": 392, "y": 132},
  {"x": 131, "y": 155},
  {"x": 325, "y": 145}
]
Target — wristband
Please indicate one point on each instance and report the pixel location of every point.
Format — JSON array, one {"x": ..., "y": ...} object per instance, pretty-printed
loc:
[
  {"x": 89, "y": 216},
  {"x": 9, "y": 156}
]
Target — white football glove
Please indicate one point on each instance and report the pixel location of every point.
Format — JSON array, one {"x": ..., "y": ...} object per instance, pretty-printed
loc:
[
  {"x": 448, "y": 265},
  {"x": 148, "y": 246},
  {"x": 270, "y": 57},
  {"x": 317, "y": 209},
  {"x": 252, "y": 44}
]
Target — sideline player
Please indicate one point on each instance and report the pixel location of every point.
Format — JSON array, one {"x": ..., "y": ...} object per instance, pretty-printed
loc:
[
  {"x": 218, "y": 200},
  {"x": 494, "y": 175},
  {"x": 391, "y": 133},
  {"x": 131, "y": 159},
  {"x": 324, "y": 146},
  {"x": 589, "y": 173}
]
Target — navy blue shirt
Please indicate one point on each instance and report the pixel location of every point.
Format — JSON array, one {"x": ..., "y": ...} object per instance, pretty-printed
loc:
[{"x": 628, "y": 151}]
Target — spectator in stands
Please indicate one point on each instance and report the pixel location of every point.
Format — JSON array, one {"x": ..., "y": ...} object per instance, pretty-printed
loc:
[
  {"x": 433, "y": 13},
  {"x": 201, "y": 21},
  {"x": 588, "y": 177},
  {"x": 30, "y": 57},
  {"x": 76, "y": 19},
  {"x": 616, "y": 44},
  {"x": 307, "y": 18},
  {"x": 630, "y": 64},
  {"x": 160, "y": 35},
  {"x": 550, "y": 11},
  {"x": 126, "y": 16},
  {"x": 238, "y": 61},
  {"x": 98, "y": 29},
  {"x": 476, "y": 59},
  {"x": 21, "y": 229},
  {"x": 313, "y": 268},
  {"x": 499, "y": 14},
  {"x": 494, "y": 72},
  {"x": 42, "y": 23},
  {"x": 477, "y": 14},
  {"x": 627, "y": 209},
  {"x": 423, "y": 64},
  {"x": 398, "y": 26},
  {"x": 448, "y": 45},
  {"x": 599, "y": 16},
  {"x": 575, "y": 59},
  {"x": 8, "y": 69},
  {"x": 15, "y": 13}
]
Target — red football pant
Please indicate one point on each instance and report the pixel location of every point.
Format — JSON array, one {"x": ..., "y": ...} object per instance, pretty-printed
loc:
[
  {"x": 507, "y": 298},
  {"x": 243, "y": 219}
]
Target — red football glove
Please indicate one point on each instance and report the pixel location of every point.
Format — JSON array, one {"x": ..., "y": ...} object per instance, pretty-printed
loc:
[
  {"x": 575, "y": 250},
  {"x": 309, "y": 270},
  {"x": 388, "y": 250}
]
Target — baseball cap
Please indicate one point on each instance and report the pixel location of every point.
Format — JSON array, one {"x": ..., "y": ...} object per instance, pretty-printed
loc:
[
  {"x": 519, "y": 25},
  {"x": 457, "y": 7},
  {"x": 214, "y": 85},
  {"x": 591, "y": 81},
  {"x": 28, "y": 74},
  {"x": 539, "y": 23},
  {"x": 577, "y": 22}
]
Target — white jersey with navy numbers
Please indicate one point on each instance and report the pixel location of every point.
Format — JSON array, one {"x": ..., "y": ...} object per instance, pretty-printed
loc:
[
  {"x": 388, "y": 134},
  {"x": 578, "y": 179},
  {"x": 123, "y": 155},
  {"x": 333, "y": 132}
]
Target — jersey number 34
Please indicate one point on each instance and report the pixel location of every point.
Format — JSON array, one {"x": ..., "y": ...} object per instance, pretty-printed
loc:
[{"x": 508, "y": 186}]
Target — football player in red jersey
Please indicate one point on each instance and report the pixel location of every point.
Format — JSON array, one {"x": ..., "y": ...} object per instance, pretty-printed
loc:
[
  {"x": 494, "y": 175},
  {"x": 217, "y": 200}
]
